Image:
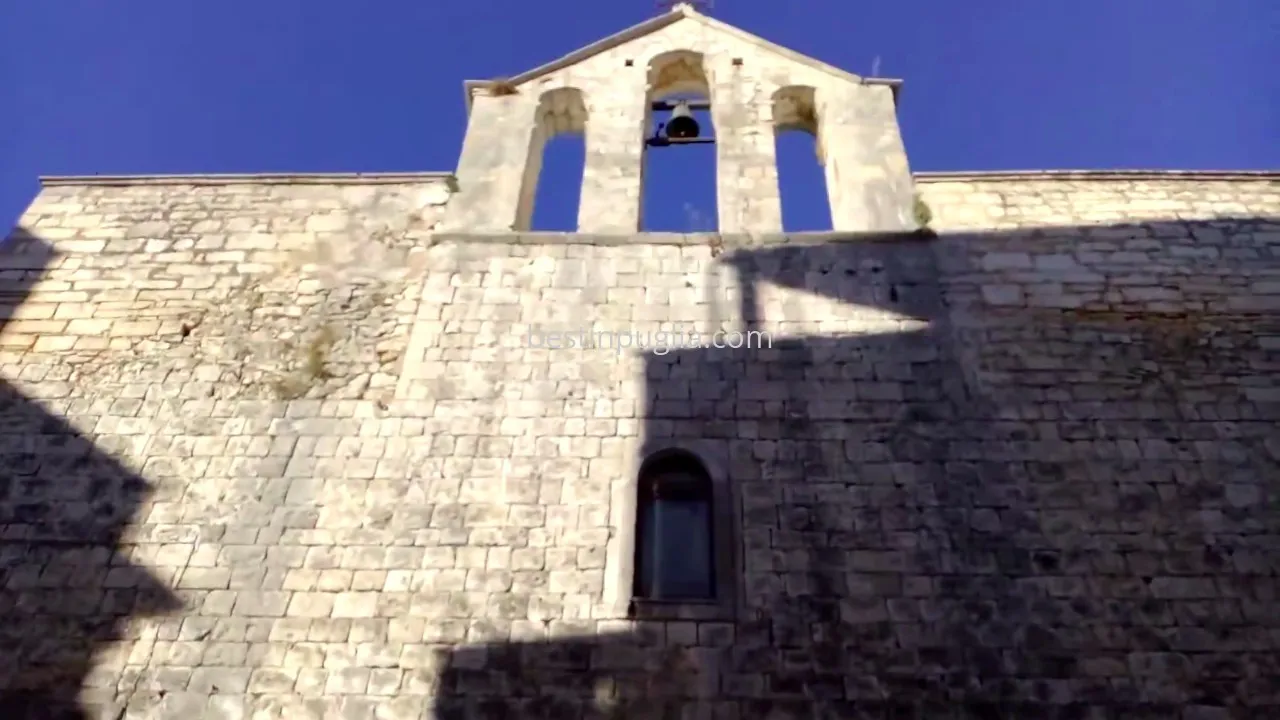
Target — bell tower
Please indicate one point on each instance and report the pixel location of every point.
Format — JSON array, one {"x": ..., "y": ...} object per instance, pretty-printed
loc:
[{"x": 609, "y": 92}]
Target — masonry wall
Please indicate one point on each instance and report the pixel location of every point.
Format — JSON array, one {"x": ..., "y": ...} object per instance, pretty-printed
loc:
[
  {"x": 1029, "y": 462},
  {"x": 245, "y": 278}
]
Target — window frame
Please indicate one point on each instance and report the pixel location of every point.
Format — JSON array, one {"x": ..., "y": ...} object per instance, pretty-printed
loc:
[
  {"x": 672, "y": 477},
  {"x": 622, "y": 580}
]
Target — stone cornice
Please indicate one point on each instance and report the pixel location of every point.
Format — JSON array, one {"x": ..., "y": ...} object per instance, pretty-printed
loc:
[{"x": 386, "y": 178}]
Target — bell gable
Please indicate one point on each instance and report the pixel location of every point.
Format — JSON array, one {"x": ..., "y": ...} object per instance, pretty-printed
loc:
[{"x": 607, "y": 92}]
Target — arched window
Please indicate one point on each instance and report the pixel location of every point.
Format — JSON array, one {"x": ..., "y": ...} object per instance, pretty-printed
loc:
[
  {"x": 678, "y": 182},
  {"x": 551, "y": 191},
  {"x": 800, "y": 159},
  {"x": 675, "y": 538}
]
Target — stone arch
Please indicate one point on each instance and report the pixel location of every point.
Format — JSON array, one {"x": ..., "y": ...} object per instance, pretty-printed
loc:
[
  {"x": 560, "y": 111},
  {"x": 677, "y": 72},
  {"x": 795, "y": 109}
]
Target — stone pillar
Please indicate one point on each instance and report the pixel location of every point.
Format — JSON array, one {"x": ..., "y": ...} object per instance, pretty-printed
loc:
[
  {"x": 614, "y": 172},
  {"x": 747, "y": 196},
  {"x": 868, "y": 178},
  {"x": 492, "y": 168}
]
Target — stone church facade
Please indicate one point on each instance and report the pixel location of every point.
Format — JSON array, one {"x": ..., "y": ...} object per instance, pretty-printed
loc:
[{"x": 1004, "y": 444}]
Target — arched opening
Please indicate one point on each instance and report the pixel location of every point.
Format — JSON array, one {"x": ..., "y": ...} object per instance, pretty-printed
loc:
[
  {"x": 678, "y": 185},
  {"x": 802, "y": 181},
  {"x": 552, "y": 186},
  {"x": 675, "y": 538}
]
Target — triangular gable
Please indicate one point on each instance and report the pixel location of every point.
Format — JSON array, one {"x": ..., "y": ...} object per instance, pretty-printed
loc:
[{"x": 679, "y": 12}]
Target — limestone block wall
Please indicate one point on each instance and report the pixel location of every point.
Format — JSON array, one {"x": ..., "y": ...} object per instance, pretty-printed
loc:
[
  {"x": 1159, "y": 243},
  {"x": 754, "y": 91},
  {"x": 1024, "y": 466},
  {"x": 253, "y": 281},
  {"x": 1043, "y": 199}
]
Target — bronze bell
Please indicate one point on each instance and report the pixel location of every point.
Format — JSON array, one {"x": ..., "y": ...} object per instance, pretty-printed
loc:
[{"x": 682, "y": 125}]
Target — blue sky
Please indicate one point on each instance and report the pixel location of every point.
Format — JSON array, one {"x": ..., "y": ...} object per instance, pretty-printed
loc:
[{"x": 187, "y": 86}]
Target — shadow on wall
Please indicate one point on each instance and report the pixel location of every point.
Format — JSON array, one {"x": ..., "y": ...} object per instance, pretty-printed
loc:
[
  {"x": 65, "y": 589},
  {"x": 1008, "y": 513}
]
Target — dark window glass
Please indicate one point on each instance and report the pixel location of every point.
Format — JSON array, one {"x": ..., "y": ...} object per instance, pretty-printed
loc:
[{"x": 674, "y": 539}]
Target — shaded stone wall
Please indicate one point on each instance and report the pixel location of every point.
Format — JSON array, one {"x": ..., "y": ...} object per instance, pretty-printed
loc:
[{"x": 1025, "y": 466}]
